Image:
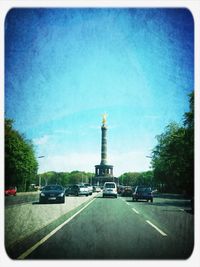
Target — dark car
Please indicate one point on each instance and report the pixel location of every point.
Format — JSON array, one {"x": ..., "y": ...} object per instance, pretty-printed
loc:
[
  {"x": 127, "y": 191},
  {"x": 11, "y": 191},
  {"x": 68, "y": 190},
  {"x": 52, "y": 193},
  {"x": 120, "y": 189},
  {"x": 142, "y": 192},
  {"x": 77, "y": 189}
]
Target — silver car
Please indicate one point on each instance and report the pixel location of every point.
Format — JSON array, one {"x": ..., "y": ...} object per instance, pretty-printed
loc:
[
  {"x": 110, "y": 189},
  {"x": 90, "y": 188}
]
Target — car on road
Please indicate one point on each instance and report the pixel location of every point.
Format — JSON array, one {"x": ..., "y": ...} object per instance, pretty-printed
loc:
[
  {"x": 68, "y": 190},
  {"x": 110, "y": 189},
  {"x": 127, "y": 191},
  {"x": 11, "y": 191},
  {"x": 120, "y": 189},
  {"x": 142, "y": 192},
  {"x": 90, "y": 188},
  {"x": 52, "y": 193},
  {"x": 77, "y": 190},
  {"x": 96, "y": 188}
]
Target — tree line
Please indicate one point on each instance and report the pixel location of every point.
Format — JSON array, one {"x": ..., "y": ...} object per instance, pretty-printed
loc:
[
  {"x": 137, "y": 178},
  {"x": 20, "y": 162},
  {"x": 64, "y": 178},
  {"x": 173, "y": 156},
  {"x": 172, "y": 161}
]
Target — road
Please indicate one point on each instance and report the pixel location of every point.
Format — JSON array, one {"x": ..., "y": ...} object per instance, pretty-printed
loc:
[{"x": 108, "y": 228}]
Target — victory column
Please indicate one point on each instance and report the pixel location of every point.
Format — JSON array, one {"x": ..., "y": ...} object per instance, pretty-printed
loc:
[{"x": 104, "y": 172}]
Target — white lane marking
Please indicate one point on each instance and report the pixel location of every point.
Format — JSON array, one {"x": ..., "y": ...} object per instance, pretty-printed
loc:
[
  {"x": 181, "y": 209},
  {"x": 135, "y": 210},
  {"x": 127, "y": 203},
  {"x": 155, "y": 227},
  {"x": 44, "y": 239}
]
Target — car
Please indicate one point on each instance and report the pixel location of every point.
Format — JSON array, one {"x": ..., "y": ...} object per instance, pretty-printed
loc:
[
  {"x": 120, "y": 189},
  {"x": 11, "y": 191},
  {"x": 96, "y": 189},
  {"x": 90, "y": 188},
  {"x": 77, "y": 190},
  {"x": 68, "y": 190},
  {"x": 110, "y": 189},
  {"x": 142, "y": 192},
  {"x": 52, "y": 193},
  {"x": 127, "y": 191}
]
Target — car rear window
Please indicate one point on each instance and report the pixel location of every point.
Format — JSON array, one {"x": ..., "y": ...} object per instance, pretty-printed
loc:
[
  {"x": 110, "y": 185},
  {"x": 144, "y": 189}
]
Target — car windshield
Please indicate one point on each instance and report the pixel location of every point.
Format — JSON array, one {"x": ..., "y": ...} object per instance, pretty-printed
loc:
[
  {"x": 52, "y": 187},
  {"x": 110, "y": 185}
]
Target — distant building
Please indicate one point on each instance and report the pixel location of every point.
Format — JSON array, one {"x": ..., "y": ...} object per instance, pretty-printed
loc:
[{"x": 104, "y": 172}]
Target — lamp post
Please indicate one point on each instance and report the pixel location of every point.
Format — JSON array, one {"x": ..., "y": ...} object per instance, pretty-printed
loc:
[{"x": 39, "y": 175}]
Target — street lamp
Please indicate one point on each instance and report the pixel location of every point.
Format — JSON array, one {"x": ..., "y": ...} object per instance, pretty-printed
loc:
[{"x": 39, "y": 175}]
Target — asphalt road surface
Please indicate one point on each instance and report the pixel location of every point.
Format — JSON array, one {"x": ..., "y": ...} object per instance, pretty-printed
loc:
[{"x": 109, "y": 228}]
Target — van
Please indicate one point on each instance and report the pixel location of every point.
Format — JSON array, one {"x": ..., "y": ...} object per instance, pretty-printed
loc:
[{"x": 110, "y": 189}]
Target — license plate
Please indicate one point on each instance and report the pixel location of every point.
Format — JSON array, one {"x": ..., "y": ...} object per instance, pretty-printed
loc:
[{"x": 52, "y": 198}]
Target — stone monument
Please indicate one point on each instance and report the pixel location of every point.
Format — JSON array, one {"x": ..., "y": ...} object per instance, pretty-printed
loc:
[{"x": 104, "y": 172}]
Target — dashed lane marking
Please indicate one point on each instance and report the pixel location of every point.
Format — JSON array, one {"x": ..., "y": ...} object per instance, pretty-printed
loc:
[
  {"x": 44, "y": 239},
  {"x": 155, "y": 227},
  {"x": 135, "y": 210}
]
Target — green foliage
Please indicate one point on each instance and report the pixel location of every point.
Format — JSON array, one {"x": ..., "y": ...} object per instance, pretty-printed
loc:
[
  {"x": 137, "y": 178},
  {"x": 173, "y": 156},
  {"x": 65, "y": 178},
  {"x": 20, "y": 162}
]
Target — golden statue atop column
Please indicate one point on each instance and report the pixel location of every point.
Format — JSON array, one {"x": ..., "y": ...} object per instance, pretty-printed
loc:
[{"x": 104, "y": 118}]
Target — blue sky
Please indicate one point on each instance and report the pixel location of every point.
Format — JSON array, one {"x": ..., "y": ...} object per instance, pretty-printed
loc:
[{"x": 64, "y": 68}]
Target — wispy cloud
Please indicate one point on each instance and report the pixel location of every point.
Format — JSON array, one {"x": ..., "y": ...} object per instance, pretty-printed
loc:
[
  {"x": 70, "y": 162},
  {"x": 41, "y": 140},
  {"x": 62, "y": 131},
  {"x": 130, "y": 161}
]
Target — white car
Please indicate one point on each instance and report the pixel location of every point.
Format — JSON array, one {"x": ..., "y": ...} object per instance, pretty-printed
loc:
[
  {"x": 110, "y": 189},
  {"x": 90, "y": 188}
]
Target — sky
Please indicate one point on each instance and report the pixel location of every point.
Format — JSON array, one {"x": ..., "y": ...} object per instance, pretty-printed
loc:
[{"x": 64, "y": 68}]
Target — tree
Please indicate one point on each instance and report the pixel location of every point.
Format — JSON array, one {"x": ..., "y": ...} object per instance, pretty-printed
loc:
[
  {"x": 189, "y": 145},
  {"x": 64, "y": 178},
  {"x": 20, "y": 162},
  {"x": 173, "y": 156},
  {"x": 137, "y": 178}
]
